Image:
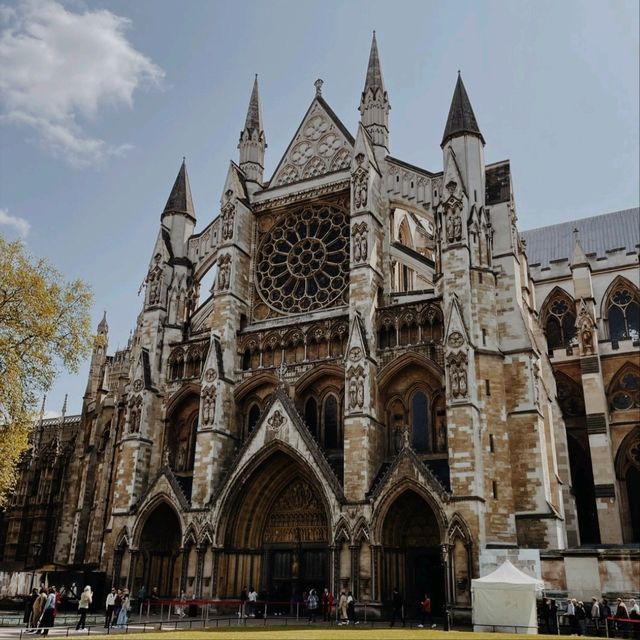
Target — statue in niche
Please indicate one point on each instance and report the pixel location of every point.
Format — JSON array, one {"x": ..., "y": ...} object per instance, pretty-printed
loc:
[
  {"x": 224, "y": 272},
  {"x": 356, "y": 387},
  {"x": 360, "y": 184},
  {"x": 457, "y": 364}
]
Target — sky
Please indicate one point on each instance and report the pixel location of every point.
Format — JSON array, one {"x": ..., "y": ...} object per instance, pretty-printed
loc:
[{"x": 99, "y": 102}]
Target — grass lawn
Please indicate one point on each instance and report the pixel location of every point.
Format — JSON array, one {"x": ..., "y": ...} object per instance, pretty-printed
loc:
[{"x": 304, "y": 633}]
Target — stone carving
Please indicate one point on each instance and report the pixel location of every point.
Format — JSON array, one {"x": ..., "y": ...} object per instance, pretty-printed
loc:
[
  {"x": 135, "y": 414},
  {"x": 276, "y": 422},
  {"x": 154, "y": 278},
  {"x": 228, "y": 213},
  {"x": 456, "y": 339},
  {"x": 454, "y": 225},
  {"x": 224, "y": 272},
  {"x": 457, "y": 366},
  {"x": 138, "y": 385},
  {"x": 208, "y": 405},
  {"x": 585, "y": 326},
  {"x": 210, "y": 375},
  {"x": 297, "y": 516},
  {"x": 535, "y": 374},
  {"x": 360, "y": 184},
  {"x": 360, "y": 242},
  {"x": 355, "y": 354},
  {"x": 355, "y": 376}
]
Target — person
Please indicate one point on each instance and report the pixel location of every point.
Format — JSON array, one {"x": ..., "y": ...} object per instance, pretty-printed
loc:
[
  {"x": 48, "y": 613},
  {"x": 342, "y": 609},
  {"x": 397, "y": 607},
  {"x": 28, "y": 611},
  {"x": 351, "y": 608},
  {"x": 605, "y": 612},
  {"x": 581, "y": 618},
  {"x": 327, "y": 604},
  {"x": 252, "y": 599},
  {"x": 86, "y": 598},
  {"x": 243, "y": 603},
  {"x": 109, "y": 604},
  {"x": 425, "y": 610},
  {"x": 181, "y": 605},
  {"x": 571, "y": 615},
  {"x": 312, "y": 605},
  {"x": 155, "y": 598},
  {"x": 117, "y": 606},
  {"x": 123, "y": 614},
  {"x": 58, "y": 595},
  {"x": 634, "y": 610},
  {"x": 142, "y": 596},
  {"x": 622, "y": 613},
  {"x": 38, "y": 608},
  {"x": 595, "y": 613}
]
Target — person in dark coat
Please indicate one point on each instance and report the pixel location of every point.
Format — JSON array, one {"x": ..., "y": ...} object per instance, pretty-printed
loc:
[
  {"x": 397, "y": 607},
  {"x": 28, "y": 608},
  {"x": 48, "y": 615}
]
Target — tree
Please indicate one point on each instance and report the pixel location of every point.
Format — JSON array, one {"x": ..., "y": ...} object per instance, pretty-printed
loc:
[{"x": 44, "y": 326}]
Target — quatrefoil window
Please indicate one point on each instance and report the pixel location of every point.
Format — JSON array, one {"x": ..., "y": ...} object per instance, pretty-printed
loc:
[{"x": 303, "y": 261}]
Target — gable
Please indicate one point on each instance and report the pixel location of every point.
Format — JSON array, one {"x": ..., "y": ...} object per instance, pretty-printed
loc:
[{"x": 321, "y": 145}]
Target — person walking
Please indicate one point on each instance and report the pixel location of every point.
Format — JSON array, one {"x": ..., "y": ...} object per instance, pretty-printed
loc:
[
  {"x": 327, "y": 604},
  {"x": 581, "y": 618},
  {"x": 425, "y": 610},
  {"x": 312, "y": 605},
  {"x": 109, "y": 604},
  {"x": 398, "y": 604},
  {"x": 28, "y": 611},
  {"x": 571, "y": 615},
  {"x": 123, "y": 613},
  {"x": 342, "y": 609},
  {"x": 622, "y": 614},
  {"x": 36, "y": 614},
  {"x": 351, "y": 608},
  {"x": 117, "y": 606},
  {"x": 86, "y": 598},
  {"x": 252, "y": 600},
  {"x": 595, "y": 614},
  {"x": 48, "y": 613}
]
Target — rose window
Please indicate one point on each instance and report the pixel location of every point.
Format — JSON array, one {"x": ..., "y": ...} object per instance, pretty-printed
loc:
[{"x": 303, "y": 261}]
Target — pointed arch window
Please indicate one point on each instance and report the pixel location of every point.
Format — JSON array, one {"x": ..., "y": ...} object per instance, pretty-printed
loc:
[
  {"x": 331, "y": 423},
  {"x": 623, "y": 312},
  {"x": 560, "y": 322},
  {"x": 252, "y": 417},
  {"x": 420, "y": 422},
  {"x": 625, "y": 390},
  {"x": 311, "y": 416}
]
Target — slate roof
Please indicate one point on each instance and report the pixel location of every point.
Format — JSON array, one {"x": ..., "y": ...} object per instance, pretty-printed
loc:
[
  {"x": 180, "y": 197},
  {"x": 597, "y": 235},
  {"x": 254, "y": 113},
  {"x": 374, "y": 72}
]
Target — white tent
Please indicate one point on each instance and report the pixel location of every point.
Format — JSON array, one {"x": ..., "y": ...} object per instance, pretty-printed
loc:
[{"x": 505, "y": 600}]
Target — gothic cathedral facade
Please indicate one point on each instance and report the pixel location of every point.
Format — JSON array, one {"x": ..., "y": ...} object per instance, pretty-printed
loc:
[{"x": 367, "y": 398}]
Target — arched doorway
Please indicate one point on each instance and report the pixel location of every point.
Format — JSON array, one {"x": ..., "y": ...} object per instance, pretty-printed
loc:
[
  {"x": 159, "y": 547},
  {"x": 412, "y": 559},
  {"x": 277, "y": 538}
]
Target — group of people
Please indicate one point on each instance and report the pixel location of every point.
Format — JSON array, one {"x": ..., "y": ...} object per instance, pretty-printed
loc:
[
  {"x": 579, "y": 614},
  {"x": 42, "y": 610},
  {"x": 117, "y": 608}
]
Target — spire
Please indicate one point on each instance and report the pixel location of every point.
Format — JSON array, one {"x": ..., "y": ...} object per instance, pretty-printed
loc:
[
  {"x": 103, "y": 327},
  {"x": 461, "y": 118},
  {"x": 254, "y": 113},
  {"x": 579, "y": 258},
  {"x": 64, "y": 406},
  {"x": 180, "y": 198},
  {"x": 374, "y": 81},
  {"x": 374, "y": 103},
  {"x": 252, "y": 140}
]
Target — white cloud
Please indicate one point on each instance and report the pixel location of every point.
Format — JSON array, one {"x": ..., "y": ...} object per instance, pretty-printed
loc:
[
  {"x": 20, "y": 225},
  {"x": 59, "y": 67}
]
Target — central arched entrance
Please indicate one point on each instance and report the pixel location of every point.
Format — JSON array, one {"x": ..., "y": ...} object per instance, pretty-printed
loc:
[
  {"x": 277, "y": 539},
  {"x": 160, "y": 550},
  {"x": 412, "y": 559}
]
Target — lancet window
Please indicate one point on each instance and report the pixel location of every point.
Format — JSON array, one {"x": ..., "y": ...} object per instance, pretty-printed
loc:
[
  {"x": 623, "y": 312},
  {"x": 559, "y": 319}
]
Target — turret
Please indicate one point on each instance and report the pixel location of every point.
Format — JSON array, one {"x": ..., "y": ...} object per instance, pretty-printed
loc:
[
  {"x": 252, "y": 140},
  {"x": 462, "y": 137},
  {"x": 98, "y": 357},
  {"x": 179, "y": 215},
  {"x": 374, "y": 104}
]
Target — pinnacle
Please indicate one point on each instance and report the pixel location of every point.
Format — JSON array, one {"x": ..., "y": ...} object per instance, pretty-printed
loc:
[
  {"x": 254, "y": 113},
  {"x": 461, "y": 118},
  {"x": 103, "y": 327},
  {"x": 180, "y": 197},
  {"x": 374, "y": 78}
]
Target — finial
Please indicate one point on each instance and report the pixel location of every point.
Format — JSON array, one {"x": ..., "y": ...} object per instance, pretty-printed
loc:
[
  {"x": 576, "y": 234},
  {"x": 318, "y": 85},
  {"x": 459, "y": 73},
  {"x": 64, "y": 406},
  {"x": 184, "y": 159}
]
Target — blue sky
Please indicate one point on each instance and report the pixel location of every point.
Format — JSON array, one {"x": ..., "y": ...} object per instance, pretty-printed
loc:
[{"x": 99, "y": 101}]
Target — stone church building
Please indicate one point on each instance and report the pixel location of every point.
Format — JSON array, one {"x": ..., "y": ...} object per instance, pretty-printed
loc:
[{"x": 388, "y": 384}]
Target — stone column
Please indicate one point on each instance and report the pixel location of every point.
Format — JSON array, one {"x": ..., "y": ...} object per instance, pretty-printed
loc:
[{"x": 355, "y": 570}]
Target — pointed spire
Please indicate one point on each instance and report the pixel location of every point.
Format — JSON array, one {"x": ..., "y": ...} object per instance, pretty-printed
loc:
[
  {"x": 578, "y": 258},
  {"x": 374, "y": 103},
  {"x": 254, "y": 112},
  {"x": 103, "y": 327},
  {"x": 374, "y": 80},
  {"x": 64, "y": 406},
  {"x": 461, "y": 118},
  {"x": 180, "y": 198},
  {"x": 252, "y": 139}
]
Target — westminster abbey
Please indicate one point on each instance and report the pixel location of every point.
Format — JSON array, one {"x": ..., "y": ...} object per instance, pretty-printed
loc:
[{"x": 387, "y": 385}]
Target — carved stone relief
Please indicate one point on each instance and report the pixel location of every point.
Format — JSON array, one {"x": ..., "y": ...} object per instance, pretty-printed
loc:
[
  {"x": 457, "y": 368},
  {"x": 355, "y": 377},
  {"x": 360, "y": 242},
  {"x": 224, "y": 272}
]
